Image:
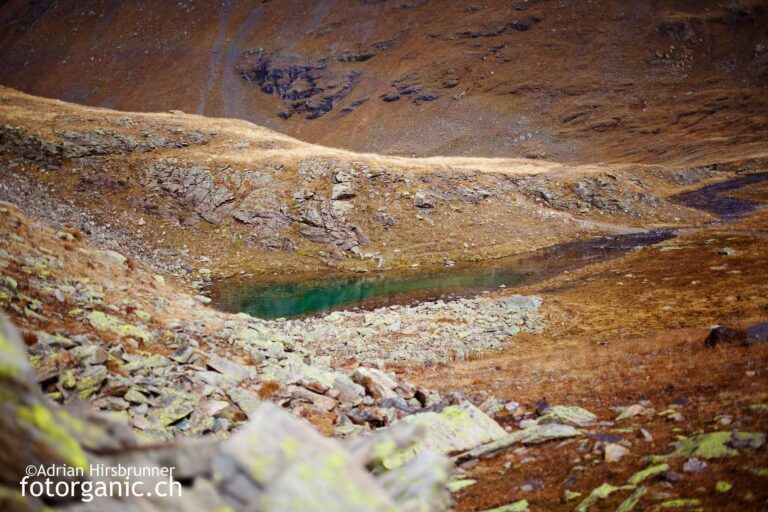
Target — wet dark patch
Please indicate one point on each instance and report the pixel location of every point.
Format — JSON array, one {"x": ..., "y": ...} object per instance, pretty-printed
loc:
[{"x": 712, "y": 198}]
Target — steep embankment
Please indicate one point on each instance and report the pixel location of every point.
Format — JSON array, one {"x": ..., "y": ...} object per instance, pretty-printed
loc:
[
  {"x": 608, "y": 80},
  {"x": 198, "y": 196}
]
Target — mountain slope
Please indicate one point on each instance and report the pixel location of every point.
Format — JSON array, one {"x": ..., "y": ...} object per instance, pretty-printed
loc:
[
  {"x": 190, "y": 193},
  {"x": 605, "y": 80}
]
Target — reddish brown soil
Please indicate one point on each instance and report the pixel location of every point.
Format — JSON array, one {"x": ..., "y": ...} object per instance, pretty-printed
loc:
[{"x": 610, "y": 343}]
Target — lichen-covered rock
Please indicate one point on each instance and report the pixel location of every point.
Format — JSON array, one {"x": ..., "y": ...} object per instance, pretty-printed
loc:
[
  {"x": 457, "y": 428},
  {"x": 277, "y": 463},
  {"x": 89, "y": 381},
  {"x": 568, "y": 415},
  {"x": 600, "y": 493},
  {"x": 31, "y": 430},
  {"x": 646, "y": 473},
  {"x": 104, "y": 322},
  {"x": 518, "y": 506},
  {"x": 715, "y": 445},
  {"x": 534, "y": 434},
  {"x": 631, "y": 502}
]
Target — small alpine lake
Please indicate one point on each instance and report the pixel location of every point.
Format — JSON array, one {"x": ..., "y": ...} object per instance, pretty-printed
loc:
[{"x": 296, "y": 296}]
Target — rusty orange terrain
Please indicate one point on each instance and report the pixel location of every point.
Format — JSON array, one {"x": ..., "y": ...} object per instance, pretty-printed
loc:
[{"x": 628, "y": 330}]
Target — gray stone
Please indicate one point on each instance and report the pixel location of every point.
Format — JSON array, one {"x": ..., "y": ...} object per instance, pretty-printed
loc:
[
  {"x": 378, "y": 384},
  {"x": 237, "y": 372},
  {"x": 421, "y": 200}
]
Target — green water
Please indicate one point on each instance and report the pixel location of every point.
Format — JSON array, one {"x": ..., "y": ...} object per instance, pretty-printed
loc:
[{"x": 305, "y": 296}]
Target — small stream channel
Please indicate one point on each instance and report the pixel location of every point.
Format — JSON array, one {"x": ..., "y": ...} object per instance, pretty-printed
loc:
[{"x": 266, "y": 298}]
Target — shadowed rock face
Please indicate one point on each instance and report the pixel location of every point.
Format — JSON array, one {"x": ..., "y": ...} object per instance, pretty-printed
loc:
[{"x": 304, "y": 89}]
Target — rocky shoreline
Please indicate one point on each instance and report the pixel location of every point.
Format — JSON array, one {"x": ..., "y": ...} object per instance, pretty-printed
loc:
[{"x": 437, "y": 331}]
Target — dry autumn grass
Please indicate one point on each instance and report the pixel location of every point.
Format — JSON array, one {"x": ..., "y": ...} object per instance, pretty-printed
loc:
[{"x": 627, "y": 330}]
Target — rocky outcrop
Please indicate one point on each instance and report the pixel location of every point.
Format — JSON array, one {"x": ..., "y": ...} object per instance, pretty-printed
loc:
[
  {"x": 268, "y": 219},
  {"x": 607, "y": 194},
  {"x": 310, "y": 90},
  {"x": 95, "y": 142},
  {"x": 501, "y": 29},
  {"x": 17, "y": 141},
  {"x": 194, "y": 185},
  {"x": 409, "y": 87},
  {"x": 328, "y": 222}
]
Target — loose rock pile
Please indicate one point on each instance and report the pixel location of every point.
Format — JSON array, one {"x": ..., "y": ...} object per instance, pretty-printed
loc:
[
  {"x": 295, "y": 469},
  {"x": 430, "y": 331}
]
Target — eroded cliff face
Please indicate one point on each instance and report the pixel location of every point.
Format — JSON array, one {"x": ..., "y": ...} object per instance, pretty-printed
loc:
[{"x": 569, "y": 81}]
